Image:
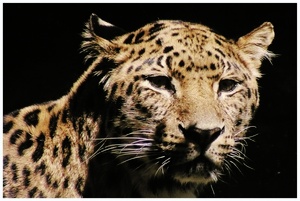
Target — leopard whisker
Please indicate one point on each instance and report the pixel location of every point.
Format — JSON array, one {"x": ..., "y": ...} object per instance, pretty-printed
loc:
[
  {"x": 149, "y": 162},
  {"x": 131, "y": 152},
  {"x": 240, "y": 153},
  {"x": 235, "y": 156},
  {"x": 98, "y": 150},
  {"x": 251, "y": 168},
  {"x": 242, "y": 148},
  {"x": 245, "y": 138},
  {"x": 236, "y": 166},
  {"x": 244, "y": 129},
  {"x": 138, "y": 143},
  {"x": 120, "y": 138},
  {"x": 133, "y": 158},
  {"x": 212, "y": 189},
  {"x": 102, "y": 149},
  {"x": 141, "y": 132},
  {"x": 227, "y": 167},
  {"x": 161, "y": 167}
]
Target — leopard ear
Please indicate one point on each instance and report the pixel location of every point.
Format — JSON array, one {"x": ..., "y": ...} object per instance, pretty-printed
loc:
[
  {"x": 98, "y": 37},
  {"x": 104, "y": 29},
  {"x": 254, "y": 45}
]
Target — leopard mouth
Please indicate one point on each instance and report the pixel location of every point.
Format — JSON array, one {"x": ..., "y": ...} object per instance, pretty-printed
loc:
[{"x": 199, "y": 165}]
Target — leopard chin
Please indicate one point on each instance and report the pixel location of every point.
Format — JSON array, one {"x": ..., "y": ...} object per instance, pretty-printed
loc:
[{"x": 199, "y": 171}]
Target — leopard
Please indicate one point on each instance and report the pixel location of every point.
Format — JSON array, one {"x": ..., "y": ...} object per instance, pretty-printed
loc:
[{"x": 162, "y": 111}]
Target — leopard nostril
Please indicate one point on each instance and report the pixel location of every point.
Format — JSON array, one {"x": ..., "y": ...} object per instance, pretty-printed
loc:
[
  {"x": 215, "y": 133},
  {"x": 181, "y": 128}
]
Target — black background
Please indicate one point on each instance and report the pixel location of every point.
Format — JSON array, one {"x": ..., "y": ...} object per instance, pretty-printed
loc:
[{"x": 41, "y": 61}]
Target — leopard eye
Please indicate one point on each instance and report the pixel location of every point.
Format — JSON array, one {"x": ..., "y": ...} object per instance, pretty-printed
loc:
[
  {"x": 161, "y": 82},
  {"x": 227, "y": 85}
]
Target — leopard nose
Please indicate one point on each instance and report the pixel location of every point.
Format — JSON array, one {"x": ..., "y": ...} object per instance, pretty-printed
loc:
[{"x": 201, "y": 137}]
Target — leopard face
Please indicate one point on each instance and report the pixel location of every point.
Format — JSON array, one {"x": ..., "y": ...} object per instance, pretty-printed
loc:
[{"x": 181, "y": 98}]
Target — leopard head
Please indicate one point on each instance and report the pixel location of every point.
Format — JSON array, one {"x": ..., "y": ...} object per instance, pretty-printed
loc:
[{"x": 178, "y": 97}]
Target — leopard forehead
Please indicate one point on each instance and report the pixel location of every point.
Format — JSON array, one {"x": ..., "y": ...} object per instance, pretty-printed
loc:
[{"x": 175, "y": 47}]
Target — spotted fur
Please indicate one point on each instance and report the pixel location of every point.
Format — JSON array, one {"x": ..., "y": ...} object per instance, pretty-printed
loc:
[{"x": 160, "y": 112}]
